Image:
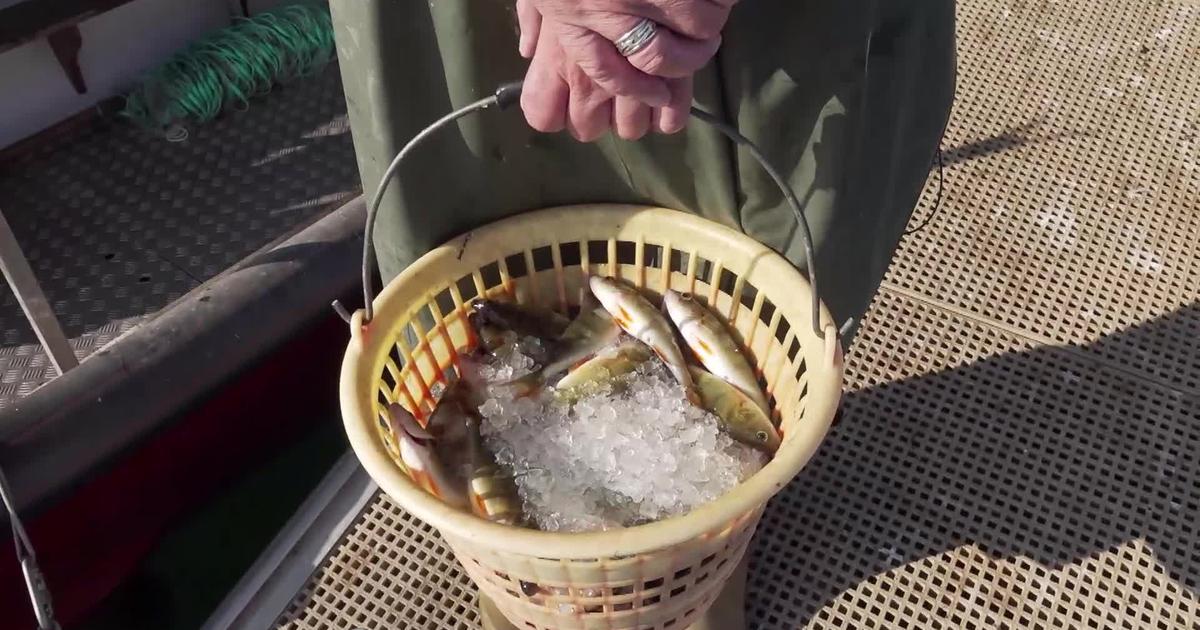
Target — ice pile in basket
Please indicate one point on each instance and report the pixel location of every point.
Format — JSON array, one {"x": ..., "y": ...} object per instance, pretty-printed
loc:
[{"x": 619, "y": 416}]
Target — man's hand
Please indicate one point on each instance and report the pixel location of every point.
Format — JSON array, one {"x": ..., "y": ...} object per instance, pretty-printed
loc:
[
  {"x": 688, "y": 35},
  {"x": 559, "y": 94}
]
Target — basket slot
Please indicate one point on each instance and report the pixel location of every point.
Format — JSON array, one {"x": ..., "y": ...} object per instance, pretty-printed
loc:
[
  {"x": 639, "y": 259},
  {"x": 714, "y": 288},
  {"x": 411, "y": 369},
  {"x": 460, "y": 307},
  {"x": 663, "y": 260},
  {"x": 767, "y": 312},
  {"x": 653, "y": 255},
  {"x": 444, "y": 332},
  {"x": 596, "y": 254},
  {"x": 778, "y": 388},
  {"x": 514, "y": 266},
  {"x": 614, "y": 268},
  {"x": 572, "y": 254},
  {"x": 542, "y": 258},
  {"x": 445, "y": 303},
  {"x": 677, "y": 261},
  {"x": 704, "y": 269},
  {"x": 386, "y": 391},
  {"x": 424, "y": 326},
  {"x": 489, "y": 276},
  {"x": 560, "y": 283},
  {"x": 802, "y": 397},
  {"x": 390, "y": 380}
]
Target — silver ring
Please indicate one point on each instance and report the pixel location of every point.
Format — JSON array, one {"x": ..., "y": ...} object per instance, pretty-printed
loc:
[{"x": 637, "y": 37}]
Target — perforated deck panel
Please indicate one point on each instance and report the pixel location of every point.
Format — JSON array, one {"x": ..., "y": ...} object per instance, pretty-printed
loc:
[
  {"x": 118, "y": 223},
  {"x": 1020, "y": 444}
]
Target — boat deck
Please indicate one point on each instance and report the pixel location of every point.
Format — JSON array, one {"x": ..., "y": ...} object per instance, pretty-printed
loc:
[
  {"x": 118, "y": 223},
  {"x": 1020, "y": 444}
]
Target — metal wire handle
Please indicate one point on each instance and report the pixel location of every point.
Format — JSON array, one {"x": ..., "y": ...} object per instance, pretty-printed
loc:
[
  {"x": 507, "y": 95},
  {"x": 35, "y": 582}
]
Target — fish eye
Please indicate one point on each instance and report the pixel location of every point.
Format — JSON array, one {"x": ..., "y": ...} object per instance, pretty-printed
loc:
[{"x": 761, "y": 435}]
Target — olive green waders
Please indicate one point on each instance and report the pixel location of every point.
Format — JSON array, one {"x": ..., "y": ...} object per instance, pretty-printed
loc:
[{"x": 848, "y": 98}]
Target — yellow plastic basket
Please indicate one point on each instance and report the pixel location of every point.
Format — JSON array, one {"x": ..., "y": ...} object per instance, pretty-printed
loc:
[{"x": 655, "y": 576}]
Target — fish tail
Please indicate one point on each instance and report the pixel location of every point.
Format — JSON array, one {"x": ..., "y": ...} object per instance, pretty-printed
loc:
[{"x": 684, "y": 376}]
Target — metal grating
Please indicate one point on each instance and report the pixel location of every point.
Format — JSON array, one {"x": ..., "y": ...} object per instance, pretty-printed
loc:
[
  {"x": 118, "y": 223},
  {"x": 389, "y": 571},
  {"x": 1020, "y": 445},
  {"x": 978, "y": 480},
  {"x": 1072, "y": 198}
]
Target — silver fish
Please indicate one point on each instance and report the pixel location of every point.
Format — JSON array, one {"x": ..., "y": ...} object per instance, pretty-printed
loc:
[
  {"x": 591, "y": 331},
  {"x": 493, "y": 494},
  {"x": 425, "y": 468},
  {"x": 607, "y": 366},
  {"x": 713, "y": 345},
  {"x": 527, "y": 321},
  {"x": 634, "y": 313},
  {"x": 740, "y": 417}
]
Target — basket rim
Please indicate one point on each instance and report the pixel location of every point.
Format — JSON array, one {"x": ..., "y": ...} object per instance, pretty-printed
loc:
[{"x": 799, "y": 446}]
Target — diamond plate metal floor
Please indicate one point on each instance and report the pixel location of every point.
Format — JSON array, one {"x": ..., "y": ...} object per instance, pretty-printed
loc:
[
  {"x": 1020, "y": 445},
  {"x": 118, "y": 223}
]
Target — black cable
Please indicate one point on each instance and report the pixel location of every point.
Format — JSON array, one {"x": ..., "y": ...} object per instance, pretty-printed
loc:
[{"x": 937, "y": 202}]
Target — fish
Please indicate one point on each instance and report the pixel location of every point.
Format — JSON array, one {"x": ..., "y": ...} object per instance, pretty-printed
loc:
[
  {"x": 739, "y": 416},
  {"x": 607, "y": 366},
  {"x": 591, "y": 331},
  {"x": 425, "y": 468},
  {"x": 492, "y": 339},
  {"x": 638, "y": 317},
  {"x": 712, "y": 344},
  {"x": 526, "y": 321},
  {"x": 493, "y": 495},
  {"x": 497, "y": 343}
]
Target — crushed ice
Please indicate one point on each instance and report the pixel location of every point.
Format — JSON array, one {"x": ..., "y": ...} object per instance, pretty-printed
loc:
[{"x": 633, "y": 452}]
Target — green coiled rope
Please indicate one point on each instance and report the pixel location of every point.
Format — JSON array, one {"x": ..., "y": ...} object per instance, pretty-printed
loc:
[{"x": 233, "y": 65}]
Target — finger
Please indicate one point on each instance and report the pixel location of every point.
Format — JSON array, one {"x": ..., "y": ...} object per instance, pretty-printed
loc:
[
  {"x": 698, "y": 20},
  {"x": 674, "y": 117},
  {"x": 544, "y": 96},
  {"x": 631, "y": 118},
  {"x": 671, "y": 56},
  {"x": 590, "y": 110},
  {"x": 669, "y": 53},
  {"x": 530, "y": 22},
  {"x": 598, "y": 58}
]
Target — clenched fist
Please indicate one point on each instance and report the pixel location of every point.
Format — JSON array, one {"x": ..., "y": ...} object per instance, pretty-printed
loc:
[{"x": 579, "y": 81}]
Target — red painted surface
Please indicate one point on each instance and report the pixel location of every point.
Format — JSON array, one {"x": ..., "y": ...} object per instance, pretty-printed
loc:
[{"x": 91, "y": 541}]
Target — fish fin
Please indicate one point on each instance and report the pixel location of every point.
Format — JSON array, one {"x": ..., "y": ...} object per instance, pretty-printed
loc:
[
  {"x": 527, "y": 385},
  {"x": 404, "y": 421},
  {"x": 587, "y": 299}
]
